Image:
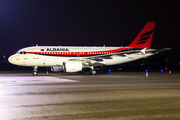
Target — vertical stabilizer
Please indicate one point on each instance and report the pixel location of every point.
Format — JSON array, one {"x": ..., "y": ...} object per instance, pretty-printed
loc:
[{"x": 144, "y": 38}]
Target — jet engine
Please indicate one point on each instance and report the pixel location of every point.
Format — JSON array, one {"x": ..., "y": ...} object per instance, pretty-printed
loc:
[
  {"x": 56, "y": 68},
  {"x": 71, "y": 66}
]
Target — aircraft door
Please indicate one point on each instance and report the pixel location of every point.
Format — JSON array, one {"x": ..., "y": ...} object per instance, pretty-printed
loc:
[{"x": 35, "y": 53}]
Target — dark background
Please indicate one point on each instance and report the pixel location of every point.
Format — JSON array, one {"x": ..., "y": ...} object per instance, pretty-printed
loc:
[{"x": 26, "y": 23}]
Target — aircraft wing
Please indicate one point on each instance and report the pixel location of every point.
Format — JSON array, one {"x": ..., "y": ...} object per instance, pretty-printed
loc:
[
  {"x": 125, "y": 53},
  {"x": 99, "y": 59}
]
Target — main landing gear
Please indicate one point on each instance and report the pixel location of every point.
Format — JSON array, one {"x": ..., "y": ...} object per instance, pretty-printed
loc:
[
  {"x": 82, "y": 71},
  {"x": 92, "y": 72},
  {"x": 35, "y": 70},
  {"x": 90, "y": 69}
]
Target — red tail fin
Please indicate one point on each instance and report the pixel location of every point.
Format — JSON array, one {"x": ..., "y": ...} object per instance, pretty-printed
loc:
[{"x": 144, "y": 38}]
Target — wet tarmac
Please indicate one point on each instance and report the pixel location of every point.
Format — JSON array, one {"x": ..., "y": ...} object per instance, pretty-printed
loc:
[{"x": 122, "y": 96}]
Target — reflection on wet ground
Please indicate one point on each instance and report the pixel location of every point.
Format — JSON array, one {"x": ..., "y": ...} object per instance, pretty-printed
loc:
[{"x": 109, "y": 96}]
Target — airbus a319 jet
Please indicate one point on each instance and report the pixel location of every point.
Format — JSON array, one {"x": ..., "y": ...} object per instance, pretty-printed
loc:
[{"x": 77, "y": 59}]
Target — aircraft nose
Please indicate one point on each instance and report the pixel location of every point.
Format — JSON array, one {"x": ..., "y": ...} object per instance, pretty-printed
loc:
[{"x": 11, "y": 59}]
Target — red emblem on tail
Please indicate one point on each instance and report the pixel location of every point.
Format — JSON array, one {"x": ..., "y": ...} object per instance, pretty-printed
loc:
[{"x": 144, "y": 38}]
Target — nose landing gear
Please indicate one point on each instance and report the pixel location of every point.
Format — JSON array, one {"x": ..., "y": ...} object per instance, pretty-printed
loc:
[{"x": 35, "y": 70}]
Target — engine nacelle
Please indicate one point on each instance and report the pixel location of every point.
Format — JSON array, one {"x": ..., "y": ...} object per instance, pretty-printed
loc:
[
  {"x": 56, "y": 68},
  {"x": 70, "y": 66}
]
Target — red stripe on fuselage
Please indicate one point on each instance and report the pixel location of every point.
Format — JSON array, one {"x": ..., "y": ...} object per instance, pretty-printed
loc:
[{"x": 80, "y": 53}]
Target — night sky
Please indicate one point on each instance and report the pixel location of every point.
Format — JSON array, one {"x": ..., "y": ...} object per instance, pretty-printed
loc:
[{"x": 26, "y": 23}]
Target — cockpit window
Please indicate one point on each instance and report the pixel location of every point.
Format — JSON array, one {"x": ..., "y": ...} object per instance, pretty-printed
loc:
[{"x": 21, "y": 52}]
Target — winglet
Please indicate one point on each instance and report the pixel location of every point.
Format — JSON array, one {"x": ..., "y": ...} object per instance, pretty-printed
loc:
[{"x": 144, "y": 38}]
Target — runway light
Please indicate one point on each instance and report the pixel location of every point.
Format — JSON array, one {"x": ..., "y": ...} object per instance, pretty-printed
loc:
[
  {"x": 165, "y": 68},
  {"x": 146, "y": 70},
  {"x": 109, "y": 70},
  {"x": 161, "y": 71},
  {"x": 147, "y": 74}
]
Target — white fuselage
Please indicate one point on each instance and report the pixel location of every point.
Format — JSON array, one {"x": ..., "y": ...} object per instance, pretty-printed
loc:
[{"x": 56, "y": 55}]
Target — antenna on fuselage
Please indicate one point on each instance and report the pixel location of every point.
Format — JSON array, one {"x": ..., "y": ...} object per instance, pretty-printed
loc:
[
  {"x": 104, "y": 46},
  {"x": 36, "y": 45}
]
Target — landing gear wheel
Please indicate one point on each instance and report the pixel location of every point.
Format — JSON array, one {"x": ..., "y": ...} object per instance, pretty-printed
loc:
[
  {"x": 34, "y": 73},
  {"x": 82, "y": 72},
  {"x": 92, "y": 72},
  {"x": 35, "y": 70}
]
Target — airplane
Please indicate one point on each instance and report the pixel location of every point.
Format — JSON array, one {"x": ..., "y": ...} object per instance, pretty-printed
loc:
[{"x": 78, "y": 59}]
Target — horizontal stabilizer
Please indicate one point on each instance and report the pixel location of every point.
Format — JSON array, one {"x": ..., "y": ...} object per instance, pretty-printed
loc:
[{"x": 143, "y": 51}]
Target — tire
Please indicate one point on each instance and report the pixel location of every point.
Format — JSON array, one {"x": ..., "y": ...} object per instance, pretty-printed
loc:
[
  {"x": 82, "y": 72},
  {"x": 34, "y": 73},
  {"x": 92, "y": 72}
]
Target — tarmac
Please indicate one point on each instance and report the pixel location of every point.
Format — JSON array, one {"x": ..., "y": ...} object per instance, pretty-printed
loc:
[{"x": 119, "y": 96}]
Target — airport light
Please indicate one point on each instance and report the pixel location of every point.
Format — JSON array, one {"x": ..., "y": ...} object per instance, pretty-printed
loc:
[
  {"x": 161, "y": 71},
  {"x": 147, "y": 73},
  {"x": 109, "y": 70}
]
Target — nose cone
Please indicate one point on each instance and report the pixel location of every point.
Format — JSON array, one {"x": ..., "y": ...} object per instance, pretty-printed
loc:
[{"x": 11, "y": 59}]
